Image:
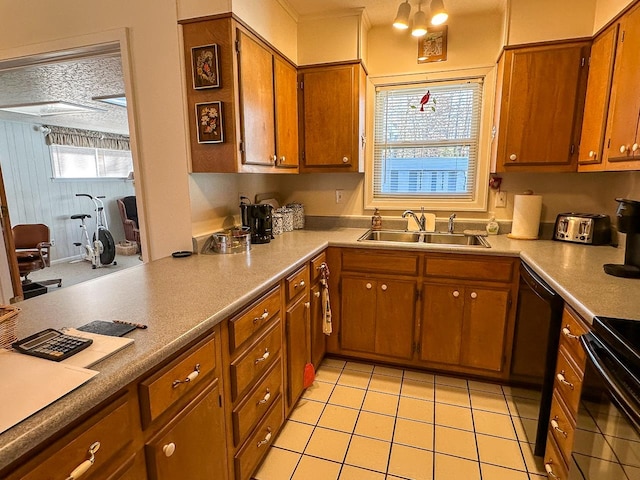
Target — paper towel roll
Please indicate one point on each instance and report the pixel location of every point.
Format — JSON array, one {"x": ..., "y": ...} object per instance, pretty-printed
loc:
[{"x": 526, "y": 217}]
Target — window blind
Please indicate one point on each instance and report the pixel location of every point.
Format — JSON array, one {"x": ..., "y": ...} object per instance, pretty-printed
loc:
[{"x": 430, "y": 150}]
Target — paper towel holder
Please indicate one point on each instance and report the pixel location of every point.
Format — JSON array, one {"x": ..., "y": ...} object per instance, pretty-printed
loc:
[{"x": 531, "y": 227}]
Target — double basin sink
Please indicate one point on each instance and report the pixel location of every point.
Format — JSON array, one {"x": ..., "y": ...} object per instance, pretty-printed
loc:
[{"x": 432, "y": 238}]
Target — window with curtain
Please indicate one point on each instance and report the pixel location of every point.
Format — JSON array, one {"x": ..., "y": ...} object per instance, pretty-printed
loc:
[
  {"x": 427, "y": 148},
  {"x": 87, "y": 162}
]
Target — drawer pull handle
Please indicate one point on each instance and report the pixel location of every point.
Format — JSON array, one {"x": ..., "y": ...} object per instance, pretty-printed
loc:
[
  {"x": 86, "y": 465},
  {"x": 561, "y": 379},
  {"x": 266, "y": 438},
  {"x": 265, "y": 399},
  {"x": 316, "y": 294},
  {"x": 556, "y": 427},
  {"x": 549, "y": 469},
  {"x": 190, "y": 378},
  {"x": 307, "y": 304},
  {"x": 264, "y": 356},
  {"x": 264, "y": 316},
  {"x": 168, "y": 449},
  {"x": 566, "y": 331},
  {"x": 301, "y": 284}
]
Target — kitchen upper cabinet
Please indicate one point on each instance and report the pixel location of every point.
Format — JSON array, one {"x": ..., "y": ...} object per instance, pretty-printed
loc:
[
  {"x": 622, "y": 149},
  {"x": 596, "y": 104},
  {"x": 257, "y": 89},
  {"x": 539, "y": 106},
  {"x": 378, "y": 316},
  {"x": 332, "y": 118},
  {"x": 465, "y": 326}
]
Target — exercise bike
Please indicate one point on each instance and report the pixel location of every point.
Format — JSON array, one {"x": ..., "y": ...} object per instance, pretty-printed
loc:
[{"x": 101, "y": 252}]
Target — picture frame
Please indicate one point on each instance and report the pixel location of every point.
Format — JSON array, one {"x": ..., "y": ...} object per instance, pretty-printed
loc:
[
  {"x": 205, "y": 66},
  {"x": 209, "y": 124},
  {"x": 433, "y": 46}
]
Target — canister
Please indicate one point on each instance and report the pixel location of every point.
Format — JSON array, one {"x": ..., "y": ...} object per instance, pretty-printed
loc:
[
  {"x": 287, "y": 217},
  {"x": 298, "y": 215},
  {"x": 278, "y": 224}
]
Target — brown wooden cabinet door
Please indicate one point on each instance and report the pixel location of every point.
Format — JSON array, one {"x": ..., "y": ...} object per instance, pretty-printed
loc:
[
  {"x": 484, "y": 327},
  {"x": 395, "y": 318},
  {"x": 596, "y": 103},
  {"x": 318, "y": 346},
  {"x": 286, "y": 113},
  {"x": 625, "y": 100},
  {"x": 193, "y": 444},
  {"x": 357, "y": 318},
  {"x": 442, "y": 317},
  {"x": 330, "y": 117},
  {"x": 297, "y": 333},
  {"x": 541, "y": 107},
  {"x": 255, "y": 64},
  {"x": 131, "y": 469}
]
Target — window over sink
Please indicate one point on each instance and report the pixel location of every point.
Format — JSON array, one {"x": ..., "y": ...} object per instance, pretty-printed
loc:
[{"x": 426, "y": 148}]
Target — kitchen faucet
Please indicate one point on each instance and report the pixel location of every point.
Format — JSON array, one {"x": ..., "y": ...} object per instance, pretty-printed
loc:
[
  {"x": 450, "y": 226},
  {"x": 422, "y": 221}
]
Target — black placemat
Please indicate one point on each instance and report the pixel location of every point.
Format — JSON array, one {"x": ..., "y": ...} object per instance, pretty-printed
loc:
[{"x": 107, "y": 328}]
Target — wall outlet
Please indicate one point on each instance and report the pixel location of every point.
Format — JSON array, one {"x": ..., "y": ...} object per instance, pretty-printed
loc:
[
  {"x": 339, "y": 196},
  {"x": 52, "y": 242},
  {"x": 501, "y": 200}
]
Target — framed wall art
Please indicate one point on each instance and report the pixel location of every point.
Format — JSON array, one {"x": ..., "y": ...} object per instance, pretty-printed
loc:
[
  {"x": 209, "y": 122},
  {"x": 433, "y": 46},
  {"x": 206, "y": 73}
]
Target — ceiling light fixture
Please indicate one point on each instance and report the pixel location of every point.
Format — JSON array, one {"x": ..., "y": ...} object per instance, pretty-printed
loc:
[
  {"x": 47, "y": 109},
  {"x": 120, "y": 100},
  {"x": 419, "y": 23},
  {"x": 438, "y": 13},
  {"x": 402, "y": 18}
]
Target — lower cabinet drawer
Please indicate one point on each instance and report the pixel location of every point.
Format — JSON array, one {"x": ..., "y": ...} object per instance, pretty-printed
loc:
[
  {"x": 562, "y": 426},
  {"x": 249, "y": 456},
  {"x": 257, "y": 403},
  {"x": 568, "y": 381},
  {"x": 254, "y": 361},
  {"x": 106, "y": 438},
  {"x": 572, "y": 330},
  {"x": 553, "y": 462}
]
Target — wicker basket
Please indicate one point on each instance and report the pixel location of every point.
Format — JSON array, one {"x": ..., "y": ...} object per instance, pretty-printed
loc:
[
  {"x": 126, "y": 248},
  {"x": 8, "y": 318}
]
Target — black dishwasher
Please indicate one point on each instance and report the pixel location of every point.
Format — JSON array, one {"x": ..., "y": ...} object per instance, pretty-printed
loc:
[{"x": 535, "y": 344}]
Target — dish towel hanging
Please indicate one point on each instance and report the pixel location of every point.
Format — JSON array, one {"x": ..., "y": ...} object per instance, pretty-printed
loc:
[{"x": 327, "y": 326}]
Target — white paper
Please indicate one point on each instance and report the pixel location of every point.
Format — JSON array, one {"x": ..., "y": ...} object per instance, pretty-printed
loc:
[{"x": 102, "y": 347}]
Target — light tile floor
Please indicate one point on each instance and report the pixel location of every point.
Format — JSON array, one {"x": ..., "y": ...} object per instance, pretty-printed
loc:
[{"x": 367, "y": 422}]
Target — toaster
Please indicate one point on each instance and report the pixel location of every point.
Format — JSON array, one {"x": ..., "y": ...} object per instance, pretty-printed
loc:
[{"x": 588, "y": 228}]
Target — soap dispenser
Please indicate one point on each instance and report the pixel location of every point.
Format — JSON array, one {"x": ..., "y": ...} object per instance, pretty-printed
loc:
[
  {"x": 492, "y": 226},
  {"x": 376, "y": 221}
]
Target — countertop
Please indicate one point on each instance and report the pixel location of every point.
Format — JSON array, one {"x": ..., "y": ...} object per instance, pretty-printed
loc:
[{"x": 182, "y": 298}]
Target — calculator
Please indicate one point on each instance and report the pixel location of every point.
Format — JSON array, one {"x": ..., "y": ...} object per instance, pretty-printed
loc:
[{"x": 52, "y": 345}]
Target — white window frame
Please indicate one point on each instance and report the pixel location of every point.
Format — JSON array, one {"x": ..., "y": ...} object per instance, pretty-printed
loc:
[
  {"x": 479, "y": 200},
  {"x": 98, "y": 158}
]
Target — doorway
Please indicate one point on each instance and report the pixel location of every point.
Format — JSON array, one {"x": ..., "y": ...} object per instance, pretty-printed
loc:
[{"x": 41, "y": 175}]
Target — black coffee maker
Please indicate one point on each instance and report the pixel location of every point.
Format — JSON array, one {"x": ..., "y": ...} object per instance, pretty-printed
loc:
[
  {"x": 258, "y": 218},
  {"x": 628, "y": 215}
]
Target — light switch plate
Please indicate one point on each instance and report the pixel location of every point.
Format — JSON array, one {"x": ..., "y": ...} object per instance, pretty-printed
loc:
[{"x": 501, "y": 200}]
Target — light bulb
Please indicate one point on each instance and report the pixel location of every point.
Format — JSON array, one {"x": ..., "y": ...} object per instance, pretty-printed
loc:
[{"x": 438, "y": 14}]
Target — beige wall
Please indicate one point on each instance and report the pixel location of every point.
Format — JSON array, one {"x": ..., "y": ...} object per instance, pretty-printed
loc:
[
  {"x": 335, "y": 39},
  {"x": 161, "y": 174},
  {"x": 606, "y": 10},
  {"x": 543, "y": 20}
]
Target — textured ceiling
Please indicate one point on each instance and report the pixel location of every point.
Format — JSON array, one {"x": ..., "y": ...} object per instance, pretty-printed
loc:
[
  {"x": 75, "y": 81},
  {"x": 382, "y": 12}
]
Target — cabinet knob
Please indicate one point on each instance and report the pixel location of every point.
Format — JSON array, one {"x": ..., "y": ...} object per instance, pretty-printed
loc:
[
  {"x": 301, "y": 284},
  {"x": 556, "y": 426},
  {"x": 345, "y": 159},
  {"x": 549, "y": 469},
  {"x": 634, "y": 147},
  {"x": 456, "y": 293},
  {"x": 169, "y": 449},
  {"x": 383, "y": 287},
  {"x": 474, "y": 295},
  {"x": 273, "y": 158},
  {"x": 623, "y": 148},
  {"x": 513, "y": 157},
  {"x": 307, "y": 304},
  {"x": 592, "y": 154},
  {"x": 562, "y": 379},
  {"x": 368, "y": 286},
  {"x": 87, "y": 464},
  {"x": 282, "y": 159},
  {"x": 316, "y": 294},
  {"x": 190, "y": 378},
  {"x": 264, "y": 356}
]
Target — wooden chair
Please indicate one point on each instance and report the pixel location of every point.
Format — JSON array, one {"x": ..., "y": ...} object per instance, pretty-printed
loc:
[{"x": 33, "y": 244}]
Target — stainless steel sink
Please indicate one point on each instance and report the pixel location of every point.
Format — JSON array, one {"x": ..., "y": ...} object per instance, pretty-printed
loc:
[{"x": 400, "y": 236}]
